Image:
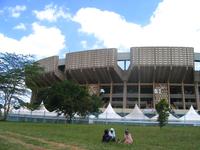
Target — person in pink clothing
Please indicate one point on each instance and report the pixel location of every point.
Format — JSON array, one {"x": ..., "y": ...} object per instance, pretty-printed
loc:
[{"x": 127, "y": 137}]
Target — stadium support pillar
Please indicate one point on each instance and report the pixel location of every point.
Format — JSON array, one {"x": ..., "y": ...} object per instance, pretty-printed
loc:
[
  {"x": 197, "y": 95},
  {"x": 124, "y": 94},
  {"x": 111, "y": 91},
  {"x": 168, "y": 91},
  {"x": 183, "y": 94},
  {"x": 154, "y": 97},
  {"x": 139, "y": 94}
]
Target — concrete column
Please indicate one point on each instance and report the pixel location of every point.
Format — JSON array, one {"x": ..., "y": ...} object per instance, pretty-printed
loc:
[
  {"x": 168, "y": 91},
  {"x": 154, "y": 97},
  {"x": 139, "y": 94},
  {"x": 111, "y": 91},
  {"x": 197, "y": 95},
  {"x": 124, "y": 94},
  {"x": 183, "y": 94}
]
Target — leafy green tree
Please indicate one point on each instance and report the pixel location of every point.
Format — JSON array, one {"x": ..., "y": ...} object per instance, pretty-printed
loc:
[
  {"x": 15, "y": 70},
  {"x": 69, "y": 98},
  {"x": 96, "y": 102},
  {"x": 162, "y": 107}
]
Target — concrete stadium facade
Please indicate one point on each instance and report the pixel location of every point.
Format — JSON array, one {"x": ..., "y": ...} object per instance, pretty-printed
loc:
[{"x": 142, "y": 76}]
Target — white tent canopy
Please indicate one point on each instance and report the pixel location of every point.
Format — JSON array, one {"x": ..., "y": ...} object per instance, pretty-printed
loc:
[
  {"x": 43, "y": 108},
  {"x": 109, "y": 113},
  {"x": 92, "y": 116},
  {"x": 191, "y": 115},
  {"x": 21, "y": 110},
  {"x": 170, "y": 118},
  {"x": 43, "y": 111},
  {"x": 154, "y": 118},
  {"x": 40, "y": 112},
  {"x": 76, "y": 115},
  {"x": 136, "y": 114}
]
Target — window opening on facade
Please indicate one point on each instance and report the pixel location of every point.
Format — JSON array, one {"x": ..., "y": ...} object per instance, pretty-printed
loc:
[
  {"x": 146, "y": 89},
  {"x": 105, "y": 100},
  {"x": 176, "y": 103},
  {"x": 117, "y": 99},
  {"x": 105, "y": 89},
  {"x": 189, "y": 90},
  {"x": 131, "y": 102},
  {"x": 132, "y": 89},
  {"x": 146, "y": 102},
  {"x": 175, "y": 90},
  {"x": 189, "y": 102},
  {"x": 117, "y": 89},
  {"x": 197, "y": 66},
  {"x": 117, "y": 106},
  {"x": 123, "y": 64}
]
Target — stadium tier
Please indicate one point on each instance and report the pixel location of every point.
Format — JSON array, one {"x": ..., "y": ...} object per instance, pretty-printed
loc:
[{"x": 142, "y": 76}]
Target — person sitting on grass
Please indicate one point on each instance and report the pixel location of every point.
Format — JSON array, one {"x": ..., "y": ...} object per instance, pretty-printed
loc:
[
  {"x": 127, "y": 137},
  {"x": 106, "y": 137},
  {"x": 112, "y": 134}
]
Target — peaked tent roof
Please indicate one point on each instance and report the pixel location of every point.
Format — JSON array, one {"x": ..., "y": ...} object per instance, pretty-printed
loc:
[
  {"x": 109, "y": 113},
  {"x": 136, "y": 114},
  {"x": 43, "y": 111},
  {"x": 43, "y": 108},
  {"x": 170, "y": 118},
  {"x": 191, "y": 115},
  {"x": 21, "y": 110},
  {"x": 154, "y": 117}
]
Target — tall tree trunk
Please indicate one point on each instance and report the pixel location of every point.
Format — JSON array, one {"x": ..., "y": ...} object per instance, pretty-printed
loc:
[
  {"x": 4, "y": 116},
  {"x": 6, "y": 107}
]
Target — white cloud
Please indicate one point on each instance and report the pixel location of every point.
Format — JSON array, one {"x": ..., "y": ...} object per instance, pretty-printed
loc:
[
  {"x": 42, "y": 42},
  {"x": 52, "y": 13},
  {"x": 20, "y": 26},
  {"x": 84, "y": 44},
  {"x": 17, "y": 10},
  {"x": 108, "y": 27},
  {"x": 174, "y": 23}
]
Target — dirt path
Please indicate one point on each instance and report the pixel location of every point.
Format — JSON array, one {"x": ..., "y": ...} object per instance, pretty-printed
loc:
[
  {"x": 17, "y": 141},
  {"x": 15, "y": 138}
]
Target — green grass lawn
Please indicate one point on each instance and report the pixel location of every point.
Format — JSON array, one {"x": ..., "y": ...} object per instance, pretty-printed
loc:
[{"x": 37, "y": 136}]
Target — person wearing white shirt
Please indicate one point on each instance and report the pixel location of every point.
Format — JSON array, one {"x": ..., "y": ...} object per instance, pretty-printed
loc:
[{"x": 112, "y": 134}]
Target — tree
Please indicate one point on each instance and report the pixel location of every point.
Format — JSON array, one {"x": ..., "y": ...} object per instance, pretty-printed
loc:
[
  {"x": 96, "y": 102},
  {"x": 69, "y": 98},
  {"x": 15, "y": 70},
  {"x": 162, "y": 107}
]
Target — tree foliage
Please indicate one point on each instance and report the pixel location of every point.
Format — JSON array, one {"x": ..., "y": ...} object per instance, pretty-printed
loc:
[
  {"x": 14, "y": 71},
  {"x": 162, "y": 107},
  {"x": 69, "y": 98}
]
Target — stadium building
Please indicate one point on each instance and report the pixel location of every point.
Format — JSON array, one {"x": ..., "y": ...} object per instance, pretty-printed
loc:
[{"x": 142, "y": 76}]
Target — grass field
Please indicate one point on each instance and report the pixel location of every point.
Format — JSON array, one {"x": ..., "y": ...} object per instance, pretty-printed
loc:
[{"x": 37, "y": 136}]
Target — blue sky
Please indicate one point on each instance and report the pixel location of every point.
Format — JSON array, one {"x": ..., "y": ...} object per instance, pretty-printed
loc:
[{"x": 46, "y": 28}]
